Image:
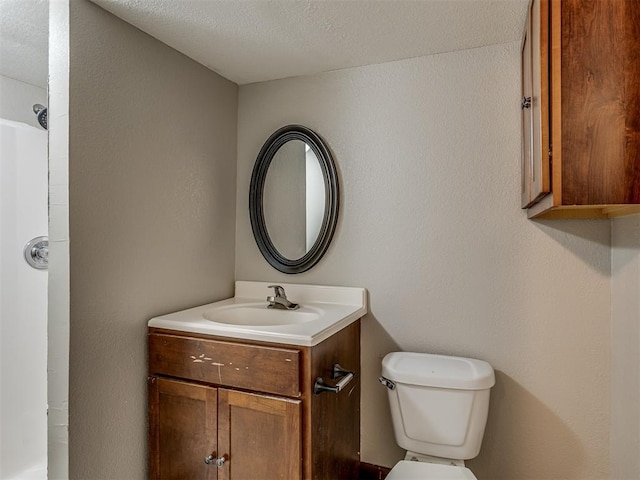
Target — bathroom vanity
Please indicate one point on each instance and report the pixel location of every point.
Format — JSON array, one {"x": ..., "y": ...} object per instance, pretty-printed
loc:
[{"x": 226, "y": 404}]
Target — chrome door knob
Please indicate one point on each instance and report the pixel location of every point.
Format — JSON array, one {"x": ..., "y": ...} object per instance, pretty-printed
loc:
[{"x": 36, "y": 252}]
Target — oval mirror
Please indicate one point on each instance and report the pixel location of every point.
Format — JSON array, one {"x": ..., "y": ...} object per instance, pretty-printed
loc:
[{"x": 293, "y": 199}]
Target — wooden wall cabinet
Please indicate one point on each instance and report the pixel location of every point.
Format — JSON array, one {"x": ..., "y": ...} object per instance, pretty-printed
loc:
[
  {"x": 225, "y": 409},
  {"x": 581, "y": 109}
]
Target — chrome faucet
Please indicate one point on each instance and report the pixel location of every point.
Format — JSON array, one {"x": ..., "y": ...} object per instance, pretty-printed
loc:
[{"x": 279, "y": 299}]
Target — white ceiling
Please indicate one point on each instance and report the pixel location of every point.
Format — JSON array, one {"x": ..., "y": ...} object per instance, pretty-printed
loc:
[
  {"x": 24, "y": 33},
  {"x": 256, "y": 40}
]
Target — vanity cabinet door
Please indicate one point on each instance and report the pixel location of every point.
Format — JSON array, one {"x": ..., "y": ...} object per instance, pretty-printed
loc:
[
  {"x": 183, "y": 425},
  {"x": 260, "y": 436}
]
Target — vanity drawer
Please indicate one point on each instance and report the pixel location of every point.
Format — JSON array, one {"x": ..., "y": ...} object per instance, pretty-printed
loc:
[{"x": 252, "y": 367}]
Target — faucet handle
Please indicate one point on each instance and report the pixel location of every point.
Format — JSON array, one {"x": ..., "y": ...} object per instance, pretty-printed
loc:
[{"x": 278, "y": 291}]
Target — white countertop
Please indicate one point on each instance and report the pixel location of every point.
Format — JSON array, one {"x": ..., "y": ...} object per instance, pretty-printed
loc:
[{"x": 334, "y": 309}]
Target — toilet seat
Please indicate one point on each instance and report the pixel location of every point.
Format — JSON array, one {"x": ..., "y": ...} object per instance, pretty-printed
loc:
[{"x": 408, "y": 470}]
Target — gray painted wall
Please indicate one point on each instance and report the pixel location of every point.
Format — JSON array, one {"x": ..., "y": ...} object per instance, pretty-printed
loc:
[
  {"x": 428, "y": 152},
  {"x": 429, "y": 156},
  {"x": 625, "y": 347},
  {"x": 152, "y": 169}
]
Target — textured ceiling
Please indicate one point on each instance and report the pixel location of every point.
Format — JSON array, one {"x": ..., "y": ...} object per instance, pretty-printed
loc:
[
  {"x": 255, "y": 40},
  {"x": 24, "y": 32}
]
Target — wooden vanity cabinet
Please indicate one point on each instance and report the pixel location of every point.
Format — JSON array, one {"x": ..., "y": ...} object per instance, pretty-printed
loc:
[
  {"x": 251, "y": 404},
  {"x": 193, "y": 419},
  {"x": 581, "y": 109}
]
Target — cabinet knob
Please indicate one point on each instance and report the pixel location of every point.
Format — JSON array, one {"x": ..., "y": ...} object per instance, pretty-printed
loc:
[
  {"x": 218, "y": 462},
  {"x": 526, "y": 103}
]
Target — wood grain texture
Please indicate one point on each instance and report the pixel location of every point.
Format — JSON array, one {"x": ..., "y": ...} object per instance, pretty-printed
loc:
[
  {"x": 544, "y": 184},
  {"x": 332, "y": 436},
  {"x": 252, "y": 367},
  {"x": 573, "y": 211},
  {"x": 555, "y": 99},
  {"x": 182, "y": 418},
  {"x": 540, "y": 180},
  {"x": 259, "y": 436},
  {"x": 326, "y": 426},
  {"x": 527, "y": 132},
  {"x": 600, "y": 109}
]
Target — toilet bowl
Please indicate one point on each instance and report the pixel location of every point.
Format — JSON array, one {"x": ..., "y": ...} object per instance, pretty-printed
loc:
[
  {"x": 439, "y": 406},
  {"x": 408, "y": 470}
]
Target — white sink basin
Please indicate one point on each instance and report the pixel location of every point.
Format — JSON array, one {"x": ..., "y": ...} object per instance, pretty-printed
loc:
[
  {"x": 260, "y": 315},
  {"x": 323, "y": 311}
]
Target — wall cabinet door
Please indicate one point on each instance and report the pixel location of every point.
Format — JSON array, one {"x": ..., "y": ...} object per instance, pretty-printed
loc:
[
  {"x": 536, "y": 181},
  {"x": 261, "y": 436},
  {"x": 584, "y": 110},
  {"x": 183, "y": 425}
]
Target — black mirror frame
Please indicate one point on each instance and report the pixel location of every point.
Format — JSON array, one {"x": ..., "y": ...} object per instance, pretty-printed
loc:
[{"x": 256, "y": 207}]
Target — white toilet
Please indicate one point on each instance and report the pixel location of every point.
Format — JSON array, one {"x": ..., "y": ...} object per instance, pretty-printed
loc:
[{"x": 439, "y": 408}]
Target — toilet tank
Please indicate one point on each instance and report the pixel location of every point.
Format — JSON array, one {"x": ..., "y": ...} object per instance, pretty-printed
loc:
[{"x": 439, "y": 404}]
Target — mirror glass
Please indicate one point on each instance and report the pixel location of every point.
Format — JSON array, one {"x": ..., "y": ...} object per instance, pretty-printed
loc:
[{"x": 293, "y": 199}]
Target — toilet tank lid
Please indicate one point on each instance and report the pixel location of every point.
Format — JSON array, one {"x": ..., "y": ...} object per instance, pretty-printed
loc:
[{"x": 439, "y": 371}]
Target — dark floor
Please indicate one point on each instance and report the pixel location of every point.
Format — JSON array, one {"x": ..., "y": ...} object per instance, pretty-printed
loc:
[{"x": 372, "y": 472}]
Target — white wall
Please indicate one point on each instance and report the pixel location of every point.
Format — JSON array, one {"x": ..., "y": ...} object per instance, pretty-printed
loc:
[
  {"x": 315, "y": 198},
  {"x": 23, "y": 300},
  {"x": 283, "y": 197},
  {"x": 428, "y": 151},
  {"x": 23, "y": 309},
  {"x": 625, "y": 347}
]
